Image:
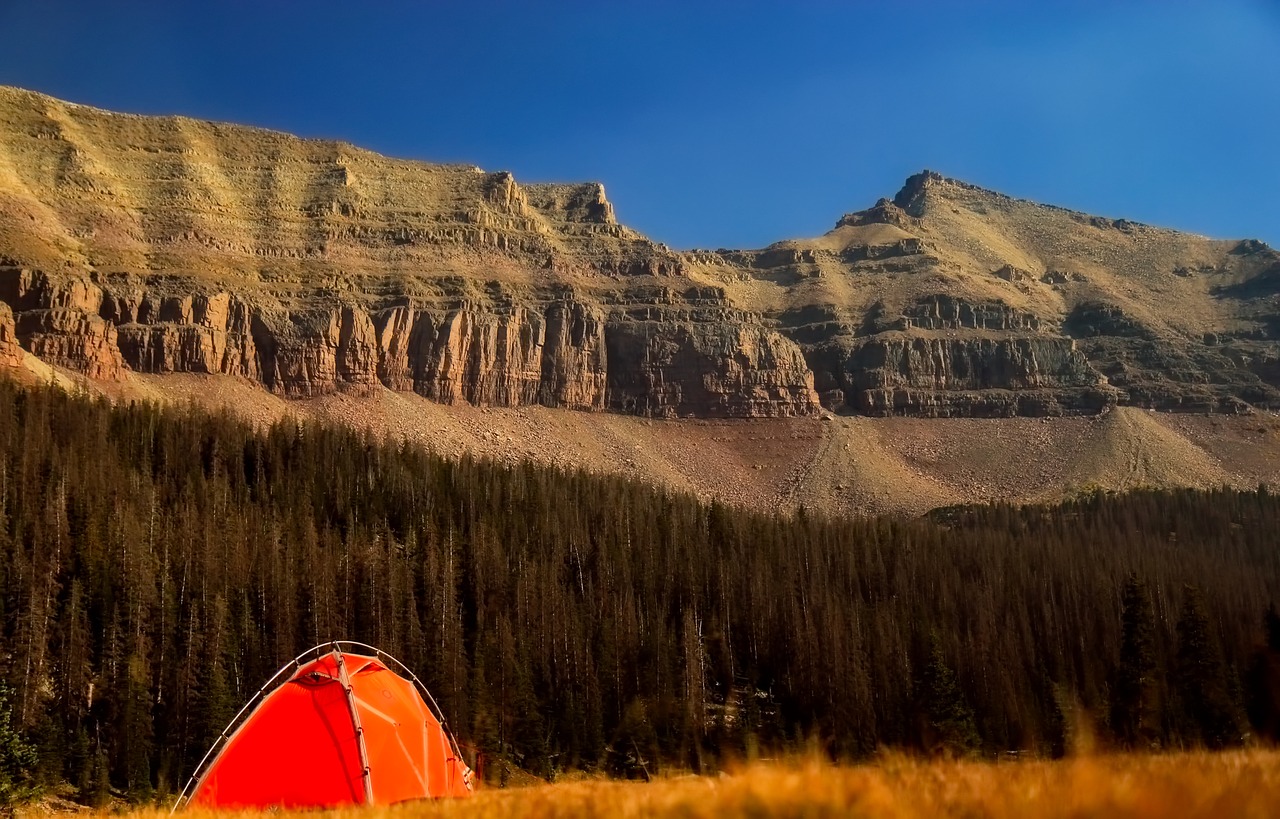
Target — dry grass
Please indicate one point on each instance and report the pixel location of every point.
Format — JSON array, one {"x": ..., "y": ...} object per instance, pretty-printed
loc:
[{"x": 1236, "y": 784}]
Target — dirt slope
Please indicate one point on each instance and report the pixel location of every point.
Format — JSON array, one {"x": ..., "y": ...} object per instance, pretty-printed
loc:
[{"x": 844, "y": 465}]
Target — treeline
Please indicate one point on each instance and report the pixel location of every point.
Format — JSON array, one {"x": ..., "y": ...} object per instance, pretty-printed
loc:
[{"x": 158, "y": 565}]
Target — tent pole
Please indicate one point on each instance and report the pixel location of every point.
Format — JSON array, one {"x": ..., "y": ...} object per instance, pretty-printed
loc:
[
  {"x": 345, "y": 679},
  {"x": 211, "y": 756},
  {"x": 432, "y": 705}
]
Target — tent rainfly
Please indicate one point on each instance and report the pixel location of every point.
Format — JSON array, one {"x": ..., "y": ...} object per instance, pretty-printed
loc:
[{"x": 350, "y": 725}]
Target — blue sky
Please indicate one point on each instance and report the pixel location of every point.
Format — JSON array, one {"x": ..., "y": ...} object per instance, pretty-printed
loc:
[{"x": 724, "y": 124}]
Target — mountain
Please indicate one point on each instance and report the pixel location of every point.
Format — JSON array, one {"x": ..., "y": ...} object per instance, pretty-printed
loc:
[
  {"x": 169, "y": 245},
  {"x": 137, "y": 249}
]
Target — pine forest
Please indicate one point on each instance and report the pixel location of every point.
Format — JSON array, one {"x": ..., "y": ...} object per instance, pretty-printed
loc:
[{"x": 160, "y": 564}]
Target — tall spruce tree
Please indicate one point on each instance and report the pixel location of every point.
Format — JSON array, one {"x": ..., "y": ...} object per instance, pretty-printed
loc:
[
  {"x": 946, "y": 719},
  {"x": 1262, "y": 680},
  {"x": 1208, "y": 714},
  {"x": 1132, "y": 706}
]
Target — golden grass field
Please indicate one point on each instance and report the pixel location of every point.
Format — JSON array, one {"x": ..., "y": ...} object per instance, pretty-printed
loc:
[{"x": 1232, "y": 784}]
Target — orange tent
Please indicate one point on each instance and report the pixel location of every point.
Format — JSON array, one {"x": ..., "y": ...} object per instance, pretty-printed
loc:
[{"x": 350, "y": 725}]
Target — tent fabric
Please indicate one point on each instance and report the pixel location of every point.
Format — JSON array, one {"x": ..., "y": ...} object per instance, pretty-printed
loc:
[{"x": 308, "y": 741}]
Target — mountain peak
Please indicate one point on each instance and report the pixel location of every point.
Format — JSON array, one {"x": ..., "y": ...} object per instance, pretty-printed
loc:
[{"x": 911, "y": 197}]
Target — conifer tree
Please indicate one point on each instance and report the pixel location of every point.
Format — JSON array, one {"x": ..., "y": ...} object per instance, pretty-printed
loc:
[
  {"x": 633, "y": 752},
  {"x": 99, "y": 792},
  {"x": 17, "y": 756},
  {"x": 1262, "y": 681},
  {"x": 947, "y": 721},
  {"x": 136, "y": 736},
  {"x": 1208, "y": 714},
  {"x": 1132, "y": 706}
]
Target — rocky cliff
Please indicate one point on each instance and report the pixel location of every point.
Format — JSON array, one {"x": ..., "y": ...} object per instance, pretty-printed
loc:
[
  {"x": 167, "y": 245},
  {"x": 10, "y": 350},
  {"x": 951, "y": 300},
  {"x": 674, "y": 357}
]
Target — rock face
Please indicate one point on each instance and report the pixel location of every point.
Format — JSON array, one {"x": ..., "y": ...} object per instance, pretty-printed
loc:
[
  {"x": 167, "y": 245},
  {"x": 723, "y": 369},
  {"x": 485, "y": 353},
  {"x": 57, "y": 320},
  {"x": 890, "y": 375},
  {"x": 555, "y": 357},
  {"x": 10, "y": 350}
]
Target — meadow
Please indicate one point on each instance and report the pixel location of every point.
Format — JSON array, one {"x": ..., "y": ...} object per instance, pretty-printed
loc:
[{"x": 1242, "y": 783}]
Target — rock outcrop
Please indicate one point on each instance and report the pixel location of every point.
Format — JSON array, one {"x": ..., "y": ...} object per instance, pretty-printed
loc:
[
  {"x": 56, "y": 319},
  {"x": 554, "y": 356},
  {"x": 10, "y": 349},
  {"x": 672, "y": 358},
  {"x": 722, "y": 369},
  {"x": 167, "y": 245},
  {"x": 896, "y": 374}
]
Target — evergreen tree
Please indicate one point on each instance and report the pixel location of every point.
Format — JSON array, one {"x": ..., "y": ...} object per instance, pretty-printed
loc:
[
  {"x": 17, "y": 756},
  {"x": 1262, "y": 681},
  {"x": 1208, "y": 714},
  {"x": 1132, "y": 706},
  {"x": 212, "y": 704},
  {"x": 99, "y": 791},
  {"x": 634, "y": 751},
  {"x": 136, "y": 736},
  {"x": 946, "y": 720}
]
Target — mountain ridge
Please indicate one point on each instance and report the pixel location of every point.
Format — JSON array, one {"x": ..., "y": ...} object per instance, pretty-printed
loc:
[
  {"x": 158, "y": 245},
  {"x": 917, "y": 183}
]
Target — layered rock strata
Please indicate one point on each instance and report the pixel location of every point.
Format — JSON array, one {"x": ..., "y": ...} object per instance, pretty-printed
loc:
[
  {"x": 167, "y": 245},
  {"x": 656, "y": 360}
]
